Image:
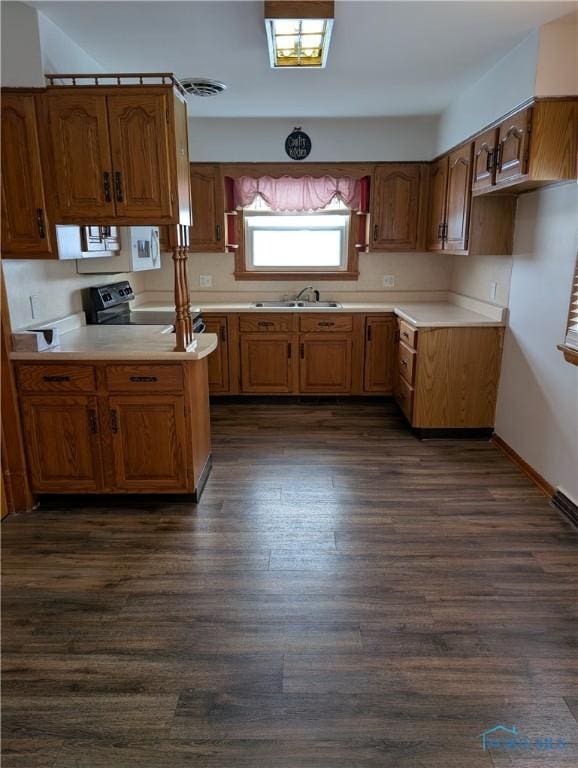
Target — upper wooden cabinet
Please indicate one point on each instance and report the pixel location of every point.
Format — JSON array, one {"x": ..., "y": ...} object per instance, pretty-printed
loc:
[
  {"x": 395, "y": 207},
  {"x": 119, "y": 155},
  {"x": 532, "y": 147},
  {"x": 207, "y": 233},
  {"x": 25, "y": 226},
  {"x": 437, "y": 205},
  {"x": 458, "y": 198}
]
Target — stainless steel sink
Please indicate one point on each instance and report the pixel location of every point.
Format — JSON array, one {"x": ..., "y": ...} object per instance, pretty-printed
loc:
[{"x": 297, "y": 304}]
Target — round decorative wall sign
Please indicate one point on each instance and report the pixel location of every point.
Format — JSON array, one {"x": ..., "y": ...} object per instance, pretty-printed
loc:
[{"x": 298, "y": 144}]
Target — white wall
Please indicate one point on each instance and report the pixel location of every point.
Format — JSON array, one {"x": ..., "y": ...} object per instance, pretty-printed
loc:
[
  {"x": 21, "y": 58},
  {"x": 333, "y": 140},
  {"x": 472, "y": 275},
  {"x": 557, "y": 70},
  {"x": 60, "y": 53},
  {"x": 57, "y": 286},
  {"x": 537, "y": 412},
  {"x": 507, "y": 84}
]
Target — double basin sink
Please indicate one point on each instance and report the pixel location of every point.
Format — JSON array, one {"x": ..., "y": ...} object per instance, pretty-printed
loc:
[{"x": 297, "y": 305}]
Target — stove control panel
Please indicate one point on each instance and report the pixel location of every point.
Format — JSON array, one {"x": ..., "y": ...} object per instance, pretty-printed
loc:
[{"x": 112, "y": 295}]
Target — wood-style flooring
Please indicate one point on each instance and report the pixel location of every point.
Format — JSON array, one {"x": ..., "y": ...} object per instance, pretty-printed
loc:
[{"x": 344, "y": 596}]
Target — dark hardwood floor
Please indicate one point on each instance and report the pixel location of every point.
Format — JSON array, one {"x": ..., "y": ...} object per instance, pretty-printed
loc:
[{"x": 344, "y": 596}]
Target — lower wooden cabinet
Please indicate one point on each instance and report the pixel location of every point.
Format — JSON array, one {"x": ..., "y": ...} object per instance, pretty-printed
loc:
[
  {"x": 149, "y": 440},
  {"x": 267, "y": 363},
  {"x": 325, "y": 364},
  {"x": 142, "y": 429},
  {"x": 63, "y": 442},
  {"x": 379, "y": 354},
  {"x": 447, "y": 378},
  {"x": 219, "y": 360}
]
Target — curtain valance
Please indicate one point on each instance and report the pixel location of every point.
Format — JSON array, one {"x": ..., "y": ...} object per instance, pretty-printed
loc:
[{"x": 303, "y": 193}]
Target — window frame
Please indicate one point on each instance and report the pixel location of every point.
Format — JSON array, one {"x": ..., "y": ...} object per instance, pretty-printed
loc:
[
  {"x": 568, "y": 348},
  {"x": 316, "y": 270}
]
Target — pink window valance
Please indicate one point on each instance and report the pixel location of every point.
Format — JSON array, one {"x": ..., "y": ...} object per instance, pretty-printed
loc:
[{"x": 303, "y": 193}]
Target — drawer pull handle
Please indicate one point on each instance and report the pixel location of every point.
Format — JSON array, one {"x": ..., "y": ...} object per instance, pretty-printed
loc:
[
  {"x": 405, "y": 334},
  {"x": 375, "y": 232},
  {"x": 289, "y": 351},
  {"x": 328, "y": 325},
  {"x": 114, "y": 422},
  {"x": 302, "y": 350},
  {"x": 403, "y": 362},
  {"x": 369, "y": 332},
  {"x": 223, "y": 334},
  {"x": 143, "y": 379},
  {"x": 264, "y": 323},
  {"x": 401, "y": 395},
  {"x": 218, "y": 232},
  {"x": 93, "y": 422},
  {"x": 56, "y": 378}
]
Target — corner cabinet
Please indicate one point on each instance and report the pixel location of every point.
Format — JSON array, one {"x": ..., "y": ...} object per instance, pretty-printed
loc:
[
  {"x": 447, "y": 378},
  {"x": 397, "y": 207},
  {"x": 116, "y": 428},
  {"x": 119, "y": 154},
  {"x": 25, "y": 225}
]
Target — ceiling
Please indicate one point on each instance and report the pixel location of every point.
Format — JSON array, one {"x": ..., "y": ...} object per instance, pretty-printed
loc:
[{"x": 386, "y": 58}]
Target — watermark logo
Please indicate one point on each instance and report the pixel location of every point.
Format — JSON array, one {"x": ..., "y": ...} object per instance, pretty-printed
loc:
[{"x": 502, "y": 737}]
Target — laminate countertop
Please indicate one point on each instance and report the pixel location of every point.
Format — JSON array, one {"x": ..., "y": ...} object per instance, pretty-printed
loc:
[
  {"x": 419, "y": 314},
  {"x": 122, "y": 342}
]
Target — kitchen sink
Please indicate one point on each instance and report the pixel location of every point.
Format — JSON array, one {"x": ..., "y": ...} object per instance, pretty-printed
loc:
[{"x": 297, "y": 304}]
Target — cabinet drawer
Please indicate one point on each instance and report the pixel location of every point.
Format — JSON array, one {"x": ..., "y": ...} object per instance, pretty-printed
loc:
[
  {"x": 55, "y": 378},
  {"x": 408, "y": 334},
  {"x": 265, "y": 323},
  {"x": 326, "y": 323},
  {"x": 406, "y": 362},
  {"x": 403, "y": 394},
  {"x": 144, "y": 378}
]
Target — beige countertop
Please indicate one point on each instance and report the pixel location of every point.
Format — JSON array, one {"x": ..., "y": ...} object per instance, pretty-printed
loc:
[
  {"x": 420, "y": 314},
  {"x": 122, "y": 342}
]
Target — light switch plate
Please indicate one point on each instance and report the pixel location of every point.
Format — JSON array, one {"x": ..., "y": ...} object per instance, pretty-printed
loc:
[
  {"x": 493, "y": 290},
  {"x": 389, "y": 281},
  {"x": 205, "y": 281}
]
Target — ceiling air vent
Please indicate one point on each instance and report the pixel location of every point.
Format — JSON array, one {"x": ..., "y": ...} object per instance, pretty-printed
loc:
[{"x": 198, "y": 86}]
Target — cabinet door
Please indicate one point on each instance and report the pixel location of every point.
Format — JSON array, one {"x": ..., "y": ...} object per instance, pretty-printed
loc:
[
  {"x": 139, "y": 137},
  {"x": 483, "y": 175},
  {"x": 24, "y": 228},
  {"x": 208, "y": 209},
  {"x": 62, "y": 443},
  {"x": 512, "y": 160},
  {"x": 437, "y": 205},
  {"x": 267, "y": 363},
  {"x": 395, "y": 207},
  {"x": 81, "y": 151},
  {"x": 149, "y": 442},
  {"x": 325, "y": 363},
  {"x": 459, "y": 198},
  {"x": 219, "y": 359},
  {"x": 379, "y": 354}
]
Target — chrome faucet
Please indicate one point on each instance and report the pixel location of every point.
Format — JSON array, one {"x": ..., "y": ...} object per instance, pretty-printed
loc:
[{"x": 305, "y": 290}]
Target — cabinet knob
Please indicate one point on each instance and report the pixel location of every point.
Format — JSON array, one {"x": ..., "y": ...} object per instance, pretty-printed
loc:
[
  {"x": 92, "y": 420},
  {"x": 143, "y": 379},
  {"x": 218, "y": 232},
  {"x": 114, "y": 422},
  {"x": 375, "y": 232}
]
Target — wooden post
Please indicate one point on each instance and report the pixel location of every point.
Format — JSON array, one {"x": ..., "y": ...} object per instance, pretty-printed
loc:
[{"x": 183, "y": 323}]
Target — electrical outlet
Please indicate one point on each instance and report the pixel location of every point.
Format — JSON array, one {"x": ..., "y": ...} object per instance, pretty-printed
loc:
[
  {"x": 389, "y": 281},
  {"x": 493, "y": 290},
  {"x": 34, "y": 306},
  {"x": 205, "y": 281}
]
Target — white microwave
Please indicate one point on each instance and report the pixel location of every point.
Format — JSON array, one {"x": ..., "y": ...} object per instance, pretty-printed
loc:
[{"x": 139, "y": 250}]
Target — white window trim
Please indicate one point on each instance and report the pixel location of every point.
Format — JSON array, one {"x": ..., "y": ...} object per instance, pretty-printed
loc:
[{"x": 344, "y": 237}]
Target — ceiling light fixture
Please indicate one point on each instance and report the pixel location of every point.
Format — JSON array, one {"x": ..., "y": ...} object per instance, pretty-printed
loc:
[{"x": 299, "y": 33}]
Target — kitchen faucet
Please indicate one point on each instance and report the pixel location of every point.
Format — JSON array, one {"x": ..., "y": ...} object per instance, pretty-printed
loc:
[{"x": 305, "y": 290}]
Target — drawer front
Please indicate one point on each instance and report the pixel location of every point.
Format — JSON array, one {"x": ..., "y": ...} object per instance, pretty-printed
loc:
[
  {"x": 408, "y": 334},
  {"x": 406, "y": 362},
  {"x": 55, "y": 378},
  {"x": 404, "y": 394},
  {"x": 326, "y": 323},
  {"x": 265, "y": 323},
  {"x": 144, "y": 378}
]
